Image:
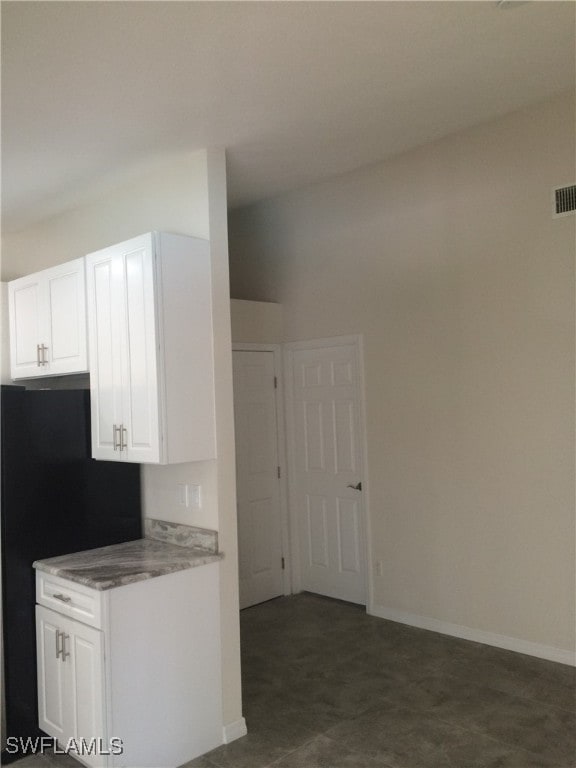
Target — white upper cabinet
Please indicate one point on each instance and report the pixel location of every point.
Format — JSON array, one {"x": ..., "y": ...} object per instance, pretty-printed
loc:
[
  {"x": 151, "y": 357},
  {"x": 48, "y": 322}
]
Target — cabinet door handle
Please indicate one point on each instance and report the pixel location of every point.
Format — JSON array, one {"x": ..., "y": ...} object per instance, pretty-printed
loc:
[
  {"x": 38, "y": 361},
  {"x": 58, "y": 648},
  {"x": 65, "y": 653},
  {"x": 63, "y": 598},
  {"x": 119, "y": 437},
  {"x": 43, "y": 350}
]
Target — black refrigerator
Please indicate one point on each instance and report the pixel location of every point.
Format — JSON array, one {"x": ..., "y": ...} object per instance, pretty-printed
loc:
[{"x": 55, "y": 500}]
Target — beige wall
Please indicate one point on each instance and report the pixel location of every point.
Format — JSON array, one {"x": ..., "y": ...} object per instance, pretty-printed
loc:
[
  {"x": 256, "y": 322},
  {"x": 449, "y": 262},
  {"x": 226, "y": 463},
  {"x": 186, "y": 195}
]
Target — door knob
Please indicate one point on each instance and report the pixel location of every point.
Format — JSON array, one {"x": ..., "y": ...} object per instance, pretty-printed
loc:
[{"x": 357, "y": 487}]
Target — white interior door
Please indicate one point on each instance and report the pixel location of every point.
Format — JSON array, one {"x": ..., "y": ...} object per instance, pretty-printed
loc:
[
  {"x": 257, "y": 478},
  {"x": 326, "y": 497}
]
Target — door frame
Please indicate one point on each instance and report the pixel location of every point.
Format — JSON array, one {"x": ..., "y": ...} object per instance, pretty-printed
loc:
[
  {"x": 357, "y": 341},
  {"x": 276, "y": 349}
]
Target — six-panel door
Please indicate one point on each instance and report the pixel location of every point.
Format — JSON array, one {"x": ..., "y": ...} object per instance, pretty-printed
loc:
[
  {"x": 257, "y": 481},
  {"x": 327, "y": 478}
]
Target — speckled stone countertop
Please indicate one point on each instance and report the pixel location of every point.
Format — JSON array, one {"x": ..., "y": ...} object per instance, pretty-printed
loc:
[{"x": 121, "y": 564}]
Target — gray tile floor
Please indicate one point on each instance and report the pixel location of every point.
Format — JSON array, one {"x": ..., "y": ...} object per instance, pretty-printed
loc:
[
  {"x": 47, "y": 760},
  {"x": 326, "y": 686}
]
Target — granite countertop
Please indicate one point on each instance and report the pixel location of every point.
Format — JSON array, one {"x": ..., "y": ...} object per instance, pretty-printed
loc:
[{"x": 121, "y": 564}]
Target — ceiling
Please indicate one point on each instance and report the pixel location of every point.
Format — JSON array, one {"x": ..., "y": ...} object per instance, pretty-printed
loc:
[{"x": 295, "y": 91}]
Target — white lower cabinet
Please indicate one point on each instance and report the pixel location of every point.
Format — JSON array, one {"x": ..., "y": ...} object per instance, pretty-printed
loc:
[
  {"x": 52, "y": 677},
  {"x": 141, "y": 687},
  {"x": 70, "y": 666}
]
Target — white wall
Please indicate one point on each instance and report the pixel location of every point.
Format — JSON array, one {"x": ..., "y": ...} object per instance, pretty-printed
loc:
[
  {"x": 171, "y": 197},
  {"x": 256, "y": 322},
  {"x": 185, "y": 195},
  {"x": 448, "y": 260},
  {"x": 226, "y": 464}
]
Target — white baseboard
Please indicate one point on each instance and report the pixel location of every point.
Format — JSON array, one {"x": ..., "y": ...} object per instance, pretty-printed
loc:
[
  {"x": 234, "y": 730},
  {"x": 548, "y": 652}
]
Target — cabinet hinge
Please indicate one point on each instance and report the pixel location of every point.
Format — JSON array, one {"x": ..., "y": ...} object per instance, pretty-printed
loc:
[
  {"x": 275, "y": 382},
  {"x": 279, "y": 473},
  {"x": 283, "y": 565}
]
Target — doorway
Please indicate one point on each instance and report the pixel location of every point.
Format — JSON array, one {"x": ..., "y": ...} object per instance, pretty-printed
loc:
[{"x": 303, "y": 529}]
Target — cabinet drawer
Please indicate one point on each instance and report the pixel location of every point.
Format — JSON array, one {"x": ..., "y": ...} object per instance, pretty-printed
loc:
[{"x": 70, "y": 599}]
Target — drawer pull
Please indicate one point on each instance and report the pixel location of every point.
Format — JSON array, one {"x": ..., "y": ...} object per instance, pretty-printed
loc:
[{"x": 63, "y": 598}]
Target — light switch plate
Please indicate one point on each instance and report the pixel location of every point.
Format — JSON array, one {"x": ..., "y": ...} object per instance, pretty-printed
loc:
[
  {"x": 183, "y": 495},
  {"x": 194, "y": 496}
]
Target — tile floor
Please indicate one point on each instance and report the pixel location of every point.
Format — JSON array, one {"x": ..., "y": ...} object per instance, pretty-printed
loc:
[
  {"x": 47, "y": 760},
  {"x": 326, "y": 686}
]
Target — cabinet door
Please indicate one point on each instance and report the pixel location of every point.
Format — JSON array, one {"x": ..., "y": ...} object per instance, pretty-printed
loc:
[
  {"x": 123, "y": 352},
  {"x": 104, "y": 287},
  {"x": 65, "y": 340},
  {"x": 53, "y": 703},
  {"x": 140, "y": 403},
  {"x": 85, "y": 662},
  {"x": 26, "y": 301},
  {"x": 71, "y": 683}
]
